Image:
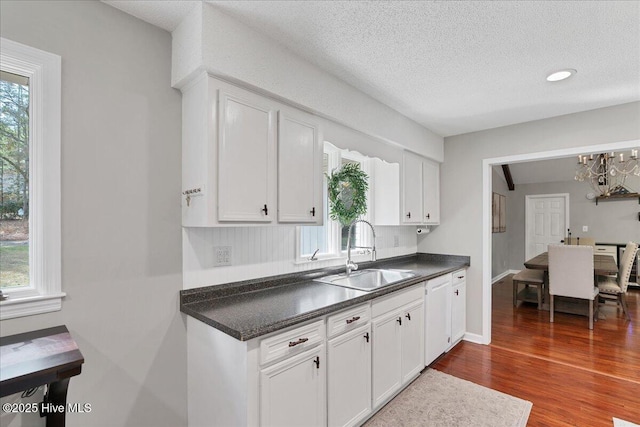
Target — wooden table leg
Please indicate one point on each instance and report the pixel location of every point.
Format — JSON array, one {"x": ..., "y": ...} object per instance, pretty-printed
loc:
[{"x": 57, "y": 396}]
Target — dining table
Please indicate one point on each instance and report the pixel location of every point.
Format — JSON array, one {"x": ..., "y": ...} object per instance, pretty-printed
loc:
[{"x": 603, "y": 265}]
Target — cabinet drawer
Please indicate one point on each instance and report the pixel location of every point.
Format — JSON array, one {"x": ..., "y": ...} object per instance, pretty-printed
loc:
[
  {"x": 438, "y": 282},
  {"x": 291, "y": 342},
  {"x": 348, "y": 320},
  {"x": 396, "y": 300},
  {"x": 459, "y": 276}
]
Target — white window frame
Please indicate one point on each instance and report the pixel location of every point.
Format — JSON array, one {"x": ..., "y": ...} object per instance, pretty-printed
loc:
[
  {"x": 44, "y": 292},
  {"x": 334, "y": 229}
]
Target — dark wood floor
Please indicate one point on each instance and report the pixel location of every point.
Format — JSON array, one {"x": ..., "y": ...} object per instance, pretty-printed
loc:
[{"x": 573, "y": 376}]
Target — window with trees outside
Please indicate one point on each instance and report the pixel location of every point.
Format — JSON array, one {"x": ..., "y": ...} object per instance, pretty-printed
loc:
[
  {"x": 30, "y": 261},
  {"x": 330, "y": 239}
]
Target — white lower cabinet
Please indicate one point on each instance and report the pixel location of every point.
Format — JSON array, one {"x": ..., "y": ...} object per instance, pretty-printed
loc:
[
  {"x": 412, "y": 332},
  {"x": 333, "y": 371},
  {"x": 349, "y": 377},
  {"x": 398, "y": 342},
  {"x": 387, "y": 357},
  {"x": 438, "y": 317},
  {"x": 292, "y": 392},
  {"x": 458, "y": 306}
]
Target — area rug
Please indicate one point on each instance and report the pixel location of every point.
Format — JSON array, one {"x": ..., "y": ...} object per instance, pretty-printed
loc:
[
  {"x": 617, "y": 422},
  {"x": 437, "y": 399}
]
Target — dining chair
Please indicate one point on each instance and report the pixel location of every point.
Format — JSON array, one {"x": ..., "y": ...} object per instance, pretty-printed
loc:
[
  {"x": 615, "y": 288},
  {"x": 571, "y": 275}
]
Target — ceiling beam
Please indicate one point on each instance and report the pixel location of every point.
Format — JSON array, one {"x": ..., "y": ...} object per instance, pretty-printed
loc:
[{"x": 507, "y": 176}]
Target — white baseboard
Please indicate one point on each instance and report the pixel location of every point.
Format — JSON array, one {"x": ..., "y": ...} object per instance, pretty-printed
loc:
[
  {"x": 503, "y": 275},
  {"x": 474, "y": 338}
]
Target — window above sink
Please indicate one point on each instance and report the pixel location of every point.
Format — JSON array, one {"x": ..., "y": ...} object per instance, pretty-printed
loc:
[{"x": 383, "y": 200}]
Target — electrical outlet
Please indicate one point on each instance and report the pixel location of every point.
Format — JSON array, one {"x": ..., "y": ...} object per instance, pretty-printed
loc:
[
  {"x": 585, "y": 228},
  {"x": 396, "y": 241},
  {"x": 222, "y": 255}
]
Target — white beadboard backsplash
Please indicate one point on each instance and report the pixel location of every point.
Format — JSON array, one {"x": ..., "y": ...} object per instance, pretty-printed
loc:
[{"x": 267, "y": 251}]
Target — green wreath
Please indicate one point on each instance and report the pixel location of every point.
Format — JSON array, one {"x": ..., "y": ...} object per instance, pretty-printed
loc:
[{"x": 347, "y": 193}]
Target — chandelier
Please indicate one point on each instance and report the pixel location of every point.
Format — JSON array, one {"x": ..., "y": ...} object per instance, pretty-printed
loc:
[{"x": 607, "y": 172}]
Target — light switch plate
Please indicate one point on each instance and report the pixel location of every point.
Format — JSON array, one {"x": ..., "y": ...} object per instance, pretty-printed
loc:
[
  {"x": 585, "y": 228},
  {"x": 222, "y": 255}
]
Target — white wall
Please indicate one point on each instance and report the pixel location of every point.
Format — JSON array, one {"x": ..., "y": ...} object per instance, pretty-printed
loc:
[
  {"x": 121, "y": 235},
  {"x": 609, "y": 222},
  {"x": 210, "y": 40},
  {"x": 461, "y": 228}
]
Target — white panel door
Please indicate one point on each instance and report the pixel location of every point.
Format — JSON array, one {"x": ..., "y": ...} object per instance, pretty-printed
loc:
[
  {"x": 387, "y": 375},
  {"x": 292, "y": 392},
  {"x": 411, "y": 189},
  {"x": 412, "y": 331},
  {"x": 299, "y": 169},
  {"x": 438, "y": 318},
  {"x": 349, "y": 377},
  {"x": 431, "y": 192},
  {"x": 545, "y": 222},
  {"x": 246, "y": 160}
]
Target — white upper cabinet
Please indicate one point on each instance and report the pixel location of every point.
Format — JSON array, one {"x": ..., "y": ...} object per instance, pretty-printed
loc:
[
  {"x": 299, "y": 168},
  {"x": 385, "y": 195},
  {"x": 411, "y": 189},
  {"x": 430, "y": 192},
  {"x": 420, "y": 190},
  {"x": 246, "y": 172},
  {"x": 247, "y": 159}
]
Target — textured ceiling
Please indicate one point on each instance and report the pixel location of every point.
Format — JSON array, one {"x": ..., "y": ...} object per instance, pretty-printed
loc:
[{"x": 454, "y": 67}]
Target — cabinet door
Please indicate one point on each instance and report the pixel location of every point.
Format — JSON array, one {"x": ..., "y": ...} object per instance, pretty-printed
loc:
[
  {"x": 412, "y": 332},
  {"x": 458, "y": 312},
  {"x": 349, "y": 377},
  {"x": 430, "y": 192},
  {"x": 246, "y": 159},
  {"x": 386, "y": 357},
  {"x": 385, "y": 186},
  {"x": 411, "y": 189},
  {"x": 438, "y": 318},
  {"x": 292, "y": 392},
  {"x": 299, "y": 169}
]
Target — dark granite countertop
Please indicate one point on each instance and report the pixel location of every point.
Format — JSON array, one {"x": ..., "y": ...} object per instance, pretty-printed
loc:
[{"x": 249, "y": 309}]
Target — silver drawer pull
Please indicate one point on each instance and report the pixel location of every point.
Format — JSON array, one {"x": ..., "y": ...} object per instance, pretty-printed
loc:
[
  {"x": 300, "y": 341},
  {"x": 353, "y": 319}
]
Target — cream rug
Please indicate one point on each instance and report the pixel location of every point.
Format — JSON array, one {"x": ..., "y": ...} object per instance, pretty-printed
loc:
[
  {"x": 617, "y": 422},
  {"x": 438, "y": 399}
]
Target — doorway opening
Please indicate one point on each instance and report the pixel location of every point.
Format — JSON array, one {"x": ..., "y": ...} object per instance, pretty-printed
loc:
[{"x": 487, "y": 209}]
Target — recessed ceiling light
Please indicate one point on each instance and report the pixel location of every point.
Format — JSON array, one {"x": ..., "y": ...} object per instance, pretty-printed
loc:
[{"x": 561, "y": 75}]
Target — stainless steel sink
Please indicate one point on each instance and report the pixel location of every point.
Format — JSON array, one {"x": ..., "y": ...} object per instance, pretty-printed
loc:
[{"x": 367, "y": 280}]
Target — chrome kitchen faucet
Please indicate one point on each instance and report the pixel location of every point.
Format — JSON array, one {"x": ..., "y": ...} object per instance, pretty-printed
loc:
[{"x": 350, "y": 264}]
